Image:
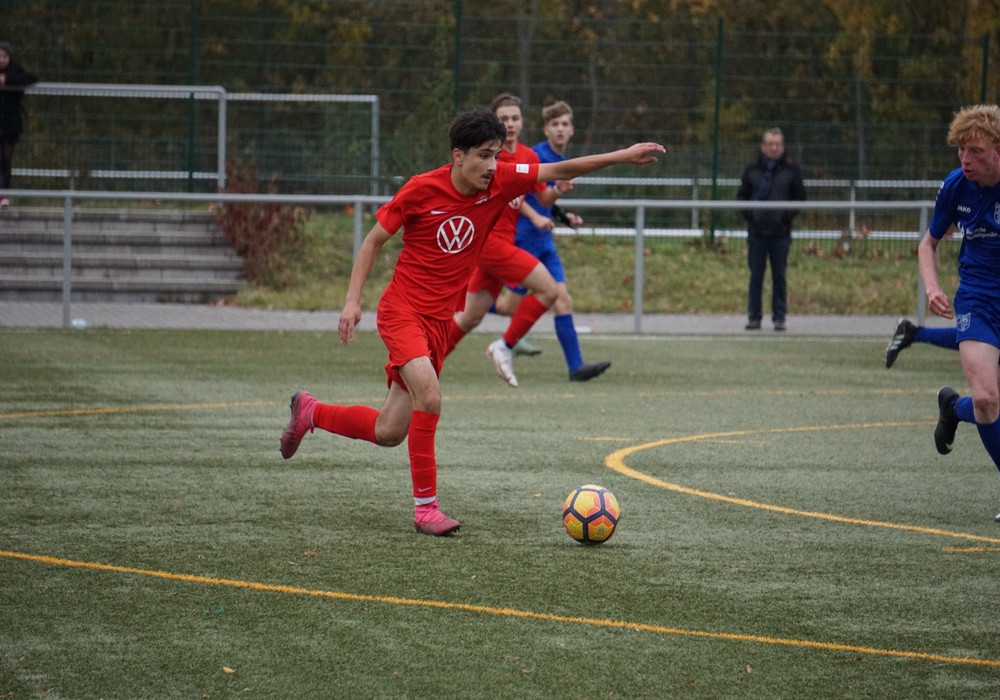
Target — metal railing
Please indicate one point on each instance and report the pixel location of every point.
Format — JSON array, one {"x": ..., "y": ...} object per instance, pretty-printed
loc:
[
  {"x": 697, "y": 185},
  {"x": 921, "y": 209}
]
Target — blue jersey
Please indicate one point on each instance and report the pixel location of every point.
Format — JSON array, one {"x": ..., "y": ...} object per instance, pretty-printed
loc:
[
  {"x": 525, "y": 228},
  {"x": 975, "y": 211}
]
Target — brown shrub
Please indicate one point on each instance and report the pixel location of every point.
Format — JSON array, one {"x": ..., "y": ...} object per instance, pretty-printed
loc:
[{"x": 261, "y": 233}]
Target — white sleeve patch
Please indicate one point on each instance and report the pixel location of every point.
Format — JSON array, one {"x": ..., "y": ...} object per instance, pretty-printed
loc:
[{"x": 523, "y": 167}]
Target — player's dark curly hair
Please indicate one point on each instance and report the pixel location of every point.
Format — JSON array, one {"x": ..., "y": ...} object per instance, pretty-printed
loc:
[{"x": 471, "y": 129}]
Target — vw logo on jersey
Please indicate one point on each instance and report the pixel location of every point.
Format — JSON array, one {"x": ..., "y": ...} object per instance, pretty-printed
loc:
[
  {"x": 996, "y": 212},
  {"x": 518, "y": 201},
  {"x": 455, "y": 234}
]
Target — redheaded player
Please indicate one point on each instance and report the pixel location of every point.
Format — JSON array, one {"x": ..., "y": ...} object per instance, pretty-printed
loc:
[{"x": 446, "y": 216}]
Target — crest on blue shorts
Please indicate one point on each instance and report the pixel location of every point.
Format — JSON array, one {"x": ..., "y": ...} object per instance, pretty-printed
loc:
[{"x": 963, "y": 322}]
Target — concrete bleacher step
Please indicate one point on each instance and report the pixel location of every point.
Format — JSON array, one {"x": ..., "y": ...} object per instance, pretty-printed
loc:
[{"x": 117, "y": 255}]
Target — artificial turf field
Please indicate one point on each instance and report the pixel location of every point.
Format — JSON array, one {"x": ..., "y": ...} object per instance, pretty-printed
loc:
[{"x": 788, "y": 529}]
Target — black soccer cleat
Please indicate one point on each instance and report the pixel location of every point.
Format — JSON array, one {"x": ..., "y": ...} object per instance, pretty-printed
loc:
[
  {"x": 588, "y": 370},
  {"x": 944, "y": 432},
  {"x": 902, "y": 338}
]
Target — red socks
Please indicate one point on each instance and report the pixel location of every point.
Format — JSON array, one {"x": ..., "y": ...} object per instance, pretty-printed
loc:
[
  {"x": 423, "y": 462},
  {"x": 529, "y": 311},
  {"x": 356, "y": 422}
]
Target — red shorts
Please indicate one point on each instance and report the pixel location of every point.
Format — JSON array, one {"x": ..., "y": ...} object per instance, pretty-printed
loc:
[
  {"x": 408, "y": 334},
  {"x": 500, "y": 263}
]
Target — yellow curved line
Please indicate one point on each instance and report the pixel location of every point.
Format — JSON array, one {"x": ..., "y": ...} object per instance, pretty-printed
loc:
[
  {"x": 616, "y": 461},
  {"x": 507, "y": 612}
]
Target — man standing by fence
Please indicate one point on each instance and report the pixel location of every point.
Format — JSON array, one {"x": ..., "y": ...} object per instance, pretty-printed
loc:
[{"x": 771, "y": 176}]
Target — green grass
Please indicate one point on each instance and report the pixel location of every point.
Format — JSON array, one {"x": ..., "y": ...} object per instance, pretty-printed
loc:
[
  {"x": 681, "y": 276},
  {"x": 788, "y": 529}
]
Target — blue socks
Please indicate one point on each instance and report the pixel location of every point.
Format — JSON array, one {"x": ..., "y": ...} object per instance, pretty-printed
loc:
[
  {"x": 566, "y": 333},
  {"x": 989, "y": 434},
  {"x": 941, "y": 337},
  {"x": 964, "y": 410}
]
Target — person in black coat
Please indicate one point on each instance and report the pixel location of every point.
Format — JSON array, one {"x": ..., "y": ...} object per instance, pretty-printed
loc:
[
  {"x": 13, "y": 79},
  {"x": 770, "y": 177}
]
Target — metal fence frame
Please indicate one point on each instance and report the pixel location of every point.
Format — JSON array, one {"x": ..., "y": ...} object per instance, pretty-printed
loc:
[
  {"x": 639, "y": 232},
  {"x": 696, "y": 185},
  {"x": 197, "y": 92}
]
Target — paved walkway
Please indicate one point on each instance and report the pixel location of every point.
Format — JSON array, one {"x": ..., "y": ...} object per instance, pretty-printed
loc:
[{"x": 197, "y": 316}]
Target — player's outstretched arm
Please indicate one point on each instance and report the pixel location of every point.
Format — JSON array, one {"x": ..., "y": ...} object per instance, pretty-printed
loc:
[
  {"x": 637, "y": 154},
  {"x": 350, "y": 316}
]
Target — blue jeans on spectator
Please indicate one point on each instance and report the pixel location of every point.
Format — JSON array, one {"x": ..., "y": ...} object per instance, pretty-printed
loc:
[{"x": 760, "y": 249}]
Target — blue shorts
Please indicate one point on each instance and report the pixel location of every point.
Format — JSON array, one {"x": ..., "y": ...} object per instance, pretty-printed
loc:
[
  {"x": 977, "y": 318},
  {"x": 543, "y": 248}
]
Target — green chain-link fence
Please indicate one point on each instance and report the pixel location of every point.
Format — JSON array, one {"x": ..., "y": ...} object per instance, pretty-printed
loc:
[{"x": 853, "y": 106}]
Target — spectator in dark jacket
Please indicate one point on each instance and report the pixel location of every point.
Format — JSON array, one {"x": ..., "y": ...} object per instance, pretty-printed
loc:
[
  {"x": 770, "y": 177},
  {"x": 13, "y": 79}
]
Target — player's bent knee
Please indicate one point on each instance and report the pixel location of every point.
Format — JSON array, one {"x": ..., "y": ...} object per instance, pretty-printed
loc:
[
  {"x": 547, "y": 297},
  {"x": 471, "y": 319},
  {"x": 391, "y": 440},
  {"x": 563, "y": 305},
  {"x": 428, "y": 404}
]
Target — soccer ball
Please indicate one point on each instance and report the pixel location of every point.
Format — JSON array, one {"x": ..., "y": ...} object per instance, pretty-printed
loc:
[{"x": 590, "y": 514}]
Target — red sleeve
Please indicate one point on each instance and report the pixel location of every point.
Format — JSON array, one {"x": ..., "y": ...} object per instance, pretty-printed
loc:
[
  {"x": 391, "y": 214},
  {"x": 516, "y": 179}
]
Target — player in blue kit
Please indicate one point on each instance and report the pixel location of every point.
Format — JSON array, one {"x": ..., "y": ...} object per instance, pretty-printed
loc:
[
  {"x": 534, "y": 234},
  {"x": 969, "y": 200}
]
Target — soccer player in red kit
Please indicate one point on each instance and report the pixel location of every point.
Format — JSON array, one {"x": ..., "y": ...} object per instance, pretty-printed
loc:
[
  {"x": 503, "y": 262},
  {"x": 446, "y": 215}
]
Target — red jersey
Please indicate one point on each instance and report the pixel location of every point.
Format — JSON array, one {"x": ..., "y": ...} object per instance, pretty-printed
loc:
[
  {"x": 506, "y": 226},
  {"x": 444, "y": 232}
]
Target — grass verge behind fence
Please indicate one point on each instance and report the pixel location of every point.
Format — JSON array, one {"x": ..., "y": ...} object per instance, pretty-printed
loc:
[{"x": 691, "y": 275}]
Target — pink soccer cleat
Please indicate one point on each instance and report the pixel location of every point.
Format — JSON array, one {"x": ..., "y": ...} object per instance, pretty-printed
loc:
[
  {"x": 302, "y": 407},
  {"x": 429, "y": 520}
]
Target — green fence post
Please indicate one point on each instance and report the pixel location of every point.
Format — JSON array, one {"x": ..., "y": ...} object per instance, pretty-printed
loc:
[
  {"x": 456, "y": 78},
  {"x": 986, "y": 67},
  {"x": 715, "y": 129}
]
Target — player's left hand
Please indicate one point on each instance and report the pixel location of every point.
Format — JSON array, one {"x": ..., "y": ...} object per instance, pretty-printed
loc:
[{"x": 643, "y": 152}]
